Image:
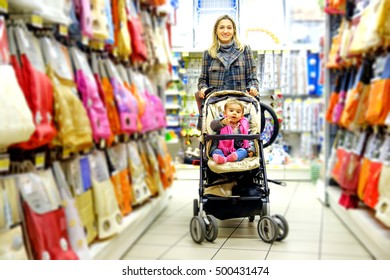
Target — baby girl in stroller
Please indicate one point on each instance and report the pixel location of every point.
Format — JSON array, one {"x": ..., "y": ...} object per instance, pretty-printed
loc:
[{"x": 233, "y": 121}]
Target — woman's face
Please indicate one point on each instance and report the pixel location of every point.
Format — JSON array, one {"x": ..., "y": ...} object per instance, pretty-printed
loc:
[{"x": 225, "y": 31}]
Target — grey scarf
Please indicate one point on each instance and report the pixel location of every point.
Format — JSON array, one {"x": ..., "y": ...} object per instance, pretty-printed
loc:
[{"x": 226, "y": 52}]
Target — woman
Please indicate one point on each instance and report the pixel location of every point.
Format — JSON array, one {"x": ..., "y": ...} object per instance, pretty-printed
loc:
[{"x": 227, "y": 64}]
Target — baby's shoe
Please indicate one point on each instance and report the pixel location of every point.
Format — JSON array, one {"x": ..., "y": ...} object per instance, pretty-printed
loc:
[
  {"x": 219, "y": 159},
  {"x": 232, "y": 157}
]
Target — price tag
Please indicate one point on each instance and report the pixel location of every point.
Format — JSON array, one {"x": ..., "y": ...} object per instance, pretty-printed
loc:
[
  {"x": 85, "y": 40},
  {"x": 182, "y": 70},
  {"x": 4, "y": 163},
  {"x": 66, "y": 153},
  {"x": 63, "y": 30},
  {"x": 37, "y": 21},
  {"x": 184, "y": 54},
  {"x": 40, "y": 160},
  {"x": 4, "y": 6}
]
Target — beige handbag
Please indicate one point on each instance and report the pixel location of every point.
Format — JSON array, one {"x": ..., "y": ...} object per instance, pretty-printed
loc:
[
  {"x": 12, "y": 244},
  {"x": 15, "y": 116}
]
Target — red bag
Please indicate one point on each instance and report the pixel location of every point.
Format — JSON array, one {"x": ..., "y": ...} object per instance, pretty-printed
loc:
[
  {"x": 38, "y": 91},
  {"x": 371, "y": 193},
  {"x": 140, "y": 52}
]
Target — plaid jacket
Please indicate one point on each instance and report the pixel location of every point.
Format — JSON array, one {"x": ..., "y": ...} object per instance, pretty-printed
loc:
[{"x": 241, "y": 74}]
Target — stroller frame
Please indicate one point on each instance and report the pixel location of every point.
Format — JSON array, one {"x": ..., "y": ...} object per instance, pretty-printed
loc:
[{"x": 208, "y": 208}]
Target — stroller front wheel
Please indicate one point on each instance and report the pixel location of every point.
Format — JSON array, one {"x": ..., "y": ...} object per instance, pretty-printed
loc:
[{"x": 268, "y": 229}]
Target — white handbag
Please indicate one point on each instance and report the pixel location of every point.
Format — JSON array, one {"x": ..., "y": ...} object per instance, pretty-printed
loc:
[{"x": 15, "y": 116}]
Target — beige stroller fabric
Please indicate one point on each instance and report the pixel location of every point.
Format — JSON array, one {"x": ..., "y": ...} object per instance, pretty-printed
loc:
[{"x": 212, "y": 111}]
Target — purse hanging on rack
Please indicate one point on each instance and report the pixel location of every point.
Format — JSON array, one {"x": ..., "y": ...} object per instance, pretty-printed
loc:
[
  {"x": 121, "y": 31},
  {"x": 378, "y": 104},
  {"x": 382, "y": 208},
  {"x": 44, "y": 221},
  {"x": 346, "y": 86},
  {"x": 78, "y": 175},
  {"x": 119, "y": 176},
  {"x": 74, "y": 128},
  {"x": 100, "y": 29},
  {"x": 12, "y": 245},
  {"x": 349, "y": 171},
  {"x": 165, "y": 162},
  {"x": 36, "y": 86},
  {"x": 126, "y": 103},
  {"x": 334, "y": 96},
  {"x": 371, "y": 192},
  {"x": 92, "y": 102},
  {"x": 137, "y": 34},
  {"x": 141, "y": 192},
  {"x": 109, "y": 216},
  {"x": 75, "y": 228},
  {"x": 109, "y": 99}
]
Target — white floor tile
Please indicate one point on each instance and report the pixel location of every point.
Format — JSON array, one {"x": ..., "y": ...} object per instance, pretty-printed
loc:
[{"x": 232, "y": 254}]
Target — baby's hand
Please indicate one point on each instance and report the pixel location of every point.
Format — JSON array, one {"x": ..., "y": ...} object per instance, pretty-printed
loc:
[{"x": 225, "y": 121}]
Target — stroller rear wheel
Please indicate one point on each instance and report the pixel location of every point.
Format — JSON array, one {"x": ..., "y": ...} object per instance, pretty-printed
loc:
[
  {"x": 268, "y": 229},
  {"x": 283, "y": 226},
  {"x": 211, "y": 228},
  {"x": 197, "y": 229}
]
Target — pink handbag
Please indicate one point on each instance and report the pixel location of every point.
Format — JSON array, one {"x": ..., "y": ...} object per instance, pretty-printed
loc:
[
  {"x": 126, "y": 105},
  {"x": 97, "y": 113}
]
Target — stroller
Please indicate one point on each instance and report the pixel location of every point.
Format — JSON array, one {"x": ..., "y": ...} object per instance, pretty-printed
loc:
[{"x": 236, "y": 189}]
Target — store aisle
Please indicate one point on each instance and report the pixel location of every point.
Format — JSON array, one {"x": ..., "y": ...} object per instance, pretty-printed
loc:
[{"x": 315, "y": 232}]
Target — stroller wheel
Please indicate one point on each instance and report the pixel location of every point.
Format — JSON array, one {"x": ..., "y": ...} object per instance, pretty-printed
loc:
[
  {"x": 283, "y": 226},
  {"x": 211, "y": 228},
  {"x": 251, "y": 218},
  {"x": 197, "y": 229},
  {"x": 196, "y": 207},
  {"x": 267, "y": 229}
]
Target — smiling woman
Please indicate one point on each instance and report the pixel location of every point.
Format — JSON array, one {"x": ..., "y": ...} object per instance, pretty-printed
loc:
[{"x": 227, "y": 64}]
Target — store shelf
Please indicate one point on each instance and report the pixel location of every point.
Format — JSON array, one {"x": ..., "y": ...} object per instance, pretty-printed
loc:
[
  {"x": 132, "y": 227},
  {"x": 363, "y": 224}
]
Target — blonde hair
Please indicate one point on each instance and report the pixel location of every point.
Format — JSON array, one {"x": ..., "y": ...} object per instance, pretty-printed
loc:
[
  {"x": 215, "y": 44},
  {"x": 234, "y": 101}
]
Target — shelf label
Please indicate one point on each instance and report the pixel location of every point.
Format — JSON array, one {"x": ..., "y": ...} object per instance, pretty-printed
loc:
[
  {"x": 4, "y": 6},
  {"x": 37, "y": 21},
  {"x": 4, "y": 163},
  {"x": 40, "y": 160}
]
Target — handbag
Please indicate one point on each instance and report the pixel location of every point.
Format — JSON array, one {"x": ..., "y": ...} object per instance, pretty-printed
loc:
[
  {"x": 73, "y": 126},
  {"x": 15, "y": 115},
  {"x": 92, "y": 102},
  {"x": 141, "y": 192},
  {"x": 75, "y": 228},
  {"x": 118, "y": 166},
  {"x": 36, "y": 86},
  {"x": 121, "y": 31},
  {"x": 378, "y": 103},
  {"x": 107, "y": 210},
  {"x": 125, "y": 101},
  {"x": 78, "y": 176},
  {"x": 45, "y": 224},
  {"x": 137, "y": 34}
]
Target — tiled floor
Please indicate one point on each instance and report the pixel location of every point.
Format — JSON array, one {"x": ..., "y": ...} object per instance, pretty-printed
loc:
[{"x": 315, "y": 233}]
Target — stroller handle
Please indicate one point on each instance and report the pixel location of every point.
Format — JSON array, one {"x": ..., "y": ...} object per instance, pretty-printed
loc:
[{"x": 233, "y": 136}]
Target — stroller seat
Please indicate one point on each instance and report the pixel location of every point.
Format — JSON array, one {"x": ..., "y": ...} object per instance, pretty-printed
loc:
[{"x": 214, "y": 107}]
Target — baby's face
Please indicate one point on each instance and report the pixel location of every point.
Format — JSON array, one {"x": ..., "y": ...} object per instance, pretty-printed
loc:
[{"x": 234, "y": 113}]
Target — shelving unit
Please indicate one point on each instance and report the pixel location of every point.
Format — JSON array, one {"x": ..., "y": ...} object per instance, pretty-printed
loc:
[{"x": 361, "y": 220}]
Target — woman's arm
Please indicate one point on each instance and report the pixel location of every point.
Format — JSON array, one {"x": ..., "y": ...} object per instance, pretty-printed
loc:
[
  {"x": 250, "y": 69},
  {"x": 203, "y": 80}
]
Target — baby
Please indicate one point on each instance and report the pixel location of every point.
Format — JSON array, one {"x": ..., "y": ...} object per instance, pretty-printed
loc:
[{"x": 232, "y": 122}]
